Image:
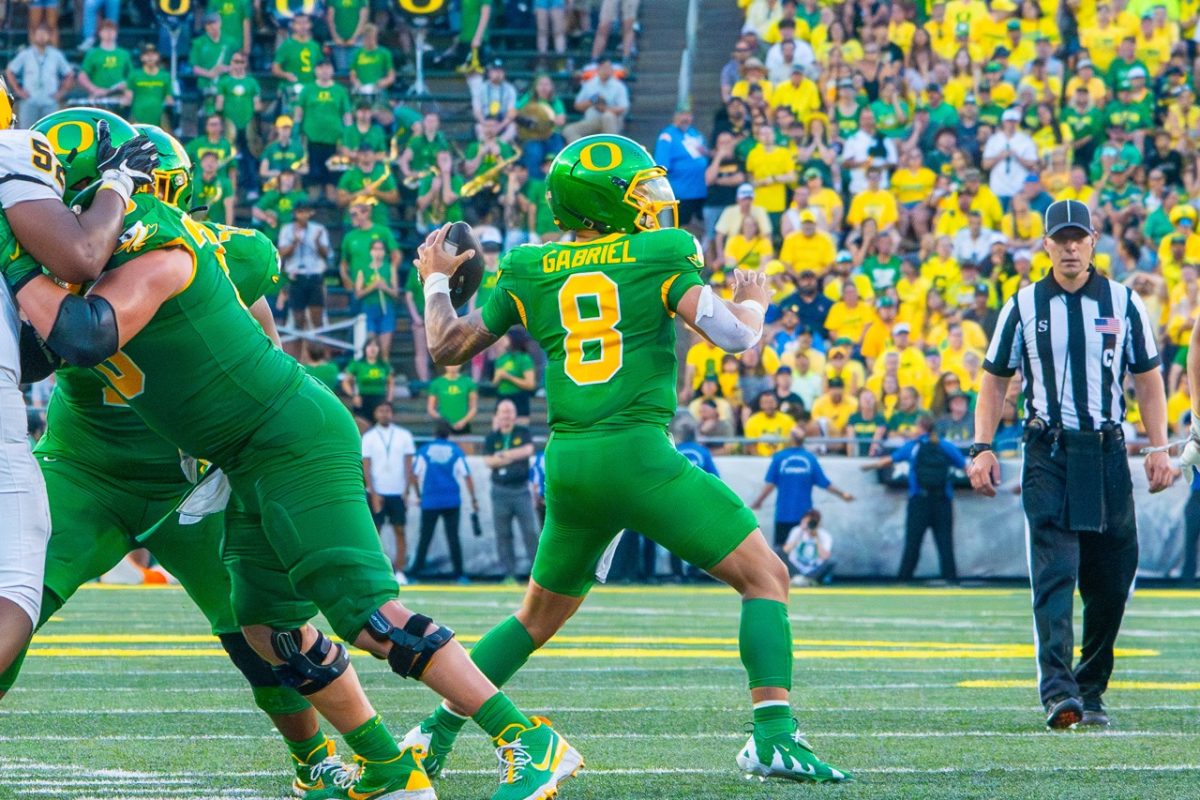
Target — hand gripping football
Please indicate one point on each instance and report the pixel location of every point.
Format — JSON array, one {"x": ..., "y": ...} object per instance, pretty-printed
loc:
[{"x": 466, "y": 279}]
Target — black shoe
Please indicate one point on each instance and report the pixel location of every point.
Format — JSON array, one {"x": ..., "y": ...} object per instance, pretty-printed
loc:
[
  {"x": 1094, "y": 715},
  {"x": 1062, "y": 712}
]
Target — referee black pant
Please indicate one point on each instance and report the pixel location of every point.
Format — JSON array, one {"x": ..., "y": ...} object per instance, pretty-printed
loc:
[
  {"x": 929, "y": 510},
  {"x": 1103, "y": 565}
]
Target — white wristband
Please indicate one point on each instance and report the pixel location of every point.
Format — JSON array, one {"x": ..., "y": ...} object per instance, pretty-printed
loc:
[{"x": 437, "y": 283}]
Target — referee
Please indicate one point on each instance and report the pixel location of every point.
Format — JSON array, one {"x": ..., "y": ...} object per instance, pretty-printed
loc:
[{"x": 1074, "y": 334}]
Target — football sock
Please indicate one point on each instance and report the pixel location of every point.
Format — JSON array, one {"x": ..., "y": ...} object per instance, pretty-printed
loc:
[
  {"x": 373, "y": 741},
  {"x": 772, "y": 717},
  {"x": 765, "y": 643},
  {"x": 503, "y": 650},
  {"x": 303, "y": 751},
  {"x": 448, "y": 719},
  {"x": 498, "y": 713},
  {"x": 499, "y": 654}
]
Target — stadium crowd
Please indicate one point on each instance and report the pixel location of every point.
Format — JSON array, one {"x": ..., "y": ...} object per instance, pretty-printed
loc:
[{"x": 886, "y": 164}]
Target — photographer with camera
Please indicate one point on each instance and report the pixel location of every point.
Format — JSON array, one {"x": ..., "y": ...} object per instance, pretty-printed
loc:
[{"x": 807, "y": 552}]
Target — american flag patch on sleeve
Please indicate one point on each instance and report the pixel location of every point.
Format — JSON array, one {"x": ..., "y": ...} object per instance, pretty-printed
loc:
[{"x": 1108, "y": 325}]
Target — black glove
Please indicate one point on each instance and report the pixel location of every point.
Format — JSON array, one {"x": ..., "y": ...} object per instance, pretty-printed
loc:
[{"x": 131, "y": 165}]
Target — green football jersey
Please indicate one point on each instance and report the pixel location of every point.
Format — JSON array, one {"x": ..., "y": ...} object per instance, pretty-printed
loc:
[
  {"x": 90, "y": 423},
  {"x": 201, "y": 374},
  {"x": 602, "y": 310}
]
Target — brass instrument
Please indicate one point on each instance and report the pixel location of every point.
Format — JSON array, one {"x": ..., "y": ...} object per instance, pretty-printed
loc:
[
  {"x": 535, "y": 122},
  {"x": 297, "y": 166},
  {"x": 414, "y": 180},
  {"x": 490, "y": 177}
]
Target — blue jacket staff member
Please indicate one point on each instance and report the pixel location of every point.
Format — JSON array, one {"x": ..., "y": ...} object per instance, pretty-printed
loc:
[
  {"x": 794, "y": 471},
  {"x": 1075, "y": 334},
  {"x": 930, "y": 496}
]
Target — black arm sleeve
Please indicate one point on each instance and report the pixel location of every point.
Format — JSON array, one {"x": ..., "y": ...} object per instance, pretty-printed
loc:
[
  {"x": 38, "y": 361},
  {"x": 85, "y": 331}
]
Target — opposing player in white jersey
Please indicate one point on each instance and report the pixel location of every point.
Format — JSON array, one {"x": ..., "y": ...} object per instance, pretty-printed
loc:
[{"x": 74, "y": 248}]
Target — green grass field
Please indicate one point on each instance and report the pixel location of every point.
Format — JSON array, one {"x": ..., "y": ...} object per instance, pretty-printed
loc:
[{"x": 921, "y": 694}]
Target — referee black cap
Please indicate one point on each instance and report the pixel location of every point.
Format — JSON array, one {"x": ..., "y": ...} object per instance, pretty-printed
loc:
[{"x": 1064, "y": 214}]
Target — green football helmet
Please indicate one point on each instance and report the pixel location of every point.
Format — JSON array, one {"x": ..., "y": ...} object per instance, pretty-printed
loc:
[
  {"x": 173, "y": 178},
  {"x": 608, "y": 184},
  {"x": 72, "y": 134}
]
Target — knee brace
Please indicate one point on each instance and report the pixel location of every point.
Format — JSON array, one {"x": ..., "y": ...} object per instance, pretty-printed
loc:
[
  {"x": 411, "y": 648},
  {"x": 269, "y": 693},
  {"x": 305, "y": 671}
]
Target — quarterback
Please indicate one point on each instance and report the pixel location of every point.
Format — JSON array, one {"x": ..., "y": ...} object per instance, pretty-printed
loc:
[
  {"x": 602, "y": 307},
  {"x": 165, "y": 329},
  {"x": 35, "y": 220}
]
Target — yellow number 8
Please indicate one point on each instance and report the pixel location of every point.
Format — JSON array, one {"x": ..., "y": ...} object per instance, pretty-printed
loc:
[
  {"x": 581, "y": 330},
  {"x": 615, "y": 157}
]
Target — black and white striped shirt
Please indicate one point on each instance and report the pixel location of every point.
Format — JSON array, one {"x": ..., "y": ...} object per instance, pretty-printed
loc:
[{"x": 1073, "y": 349}]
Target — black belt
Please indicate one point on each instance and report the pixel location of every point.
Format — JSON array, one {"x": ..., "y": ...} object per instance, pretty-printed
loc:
[{"x": 1110, "y": 433}]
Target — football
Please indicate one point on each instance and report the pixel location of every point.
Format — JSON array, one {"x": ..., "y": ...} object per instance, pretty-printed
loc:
[{"x": 465, "y": 281}]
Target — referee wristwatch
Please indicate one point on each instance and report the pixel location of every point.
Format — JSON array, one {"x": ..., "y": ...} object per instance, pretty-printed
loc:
[{"x": 979, "y": 447}]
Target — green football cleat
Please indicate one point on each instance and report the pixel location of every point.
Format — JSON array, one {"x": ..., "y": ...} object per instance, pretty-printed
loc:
[
  {"x": 319, "y": 770},
  {"x": 401, "y": 778},
  {"x": 435, "y": 739},
  {"x": 787, "y": 756},
  {"x": 533, "y": 762}
]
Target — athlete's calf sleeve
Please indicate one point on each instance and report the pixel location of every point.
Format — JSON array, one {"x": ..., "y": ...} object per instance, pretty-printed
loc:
[
  {"x": 269, "y": 694},
  {"x": 765, "y": 643},
  {"x": 503, "y": 650},
  {"x": 51, "y": 603}
]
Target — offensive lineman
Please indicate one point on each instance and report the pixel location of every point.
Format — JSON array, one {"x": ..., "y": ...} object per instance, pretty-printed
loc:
[
  {"x": 34, "y": 218},
  {"x": 602, "y": 309},
  {"x": 163, "y": 327},
  {"x": 110, "y": 479}
]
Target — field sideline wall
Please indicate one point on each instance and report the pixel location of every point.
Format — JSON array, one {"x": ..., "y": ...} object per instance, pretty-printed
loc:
[{"x": 989, "y": 534}]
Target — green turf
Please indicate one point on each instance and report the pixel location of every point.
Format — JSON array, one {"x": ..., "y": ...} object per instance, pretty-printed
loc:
[{"x": 182, "y": 727}]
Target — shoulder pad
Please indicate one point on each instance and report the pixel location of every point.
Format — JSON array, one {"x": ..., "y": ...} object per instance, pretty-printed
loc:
[
  {"x": 678, "y": 243},
  {"x": 27, "y": 156},
  {"x": 149, "y": 224}
]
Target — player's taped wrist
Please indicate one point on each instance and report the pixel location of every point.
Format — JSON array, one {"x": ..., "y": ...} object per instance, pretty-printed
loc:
[
  {"x": 723, "y": 328},
  {"x": 437, "y": 283},
  {"x": 754, "y": 305},
  {"x": 119, "y": 182}
]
